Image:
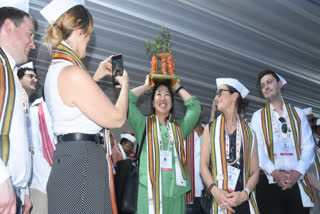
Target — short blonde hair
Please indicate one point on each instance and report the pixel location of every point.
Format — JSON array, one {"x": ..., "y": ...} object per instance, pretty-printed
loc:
[{"x": 77, "y": 17}]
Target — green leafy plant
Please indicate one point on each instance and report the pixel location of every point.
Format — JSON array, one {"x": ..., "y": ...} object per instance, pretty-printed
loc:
[{"x": 161, "y": 43}]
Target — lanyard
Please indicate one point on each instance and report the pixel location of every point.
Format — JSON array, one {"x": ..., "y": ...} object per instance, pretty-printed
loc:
[{"x": 171, "y": 139}]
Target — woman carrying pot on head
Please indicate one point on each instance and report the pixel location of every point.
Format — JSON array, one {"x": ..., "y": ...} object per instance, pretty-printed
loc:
[
  {"x": 163, "y": 178},
  {"x": 229, "y": 158},
  {"x": 79, "y": 181}
]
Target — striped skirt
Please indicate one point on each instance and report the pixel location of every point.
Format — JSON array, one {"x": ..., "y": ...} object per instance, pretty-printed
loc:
[{"x": 79, "y": 181}]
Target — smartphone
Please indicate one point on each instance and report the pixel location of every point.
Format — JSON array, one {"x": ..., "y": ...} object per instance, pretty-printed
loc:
[{"x": 117, "y": 67}]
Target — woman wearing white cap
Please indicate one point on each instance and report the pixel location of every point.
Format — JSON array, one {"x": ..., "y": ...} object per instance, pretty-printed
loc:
[
  {"x": 229, "y": 148},
  {"x": 78, "y": 182}
]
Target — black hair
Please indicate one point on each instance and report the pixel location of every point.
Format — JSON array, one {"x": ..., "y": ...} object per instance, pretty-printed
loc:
[
  {"x": 22, "y": 71},
  {"x": 124, "y": 140},
  {"x": 265, "y": 72},
  {"x": 168, "y": 85},
  {"x": 16, "y": 16},
  {"x": 241, "y": 103}
]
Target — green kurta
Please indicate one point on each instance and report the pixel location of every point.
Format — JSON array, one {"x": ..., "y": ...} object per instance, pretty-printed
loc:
[{"x": 173, "y": 196}]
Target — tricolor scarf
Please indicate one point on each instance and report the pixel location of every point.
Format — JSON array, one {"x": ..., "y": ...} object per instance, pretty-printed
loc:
[
  {"x": 317, "y": 163},
  {"x": 190, "y": 166},
  {"x": 63, "y": 52},
  {"x": 317, "y": 157},
  {"x": 219, "y": 161},
  {"x": 295, "y": 123},
  {"x": 153, "y": 150},
  {"x": 47, "y": 145},
  {"x": 110, "y": 170},
  {"x": 7, "y": 97}
]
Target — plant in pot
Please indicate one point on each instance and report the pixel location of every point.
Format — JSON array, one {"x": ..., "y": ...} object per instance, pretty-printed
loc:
[{"x": 162, "y": 63}]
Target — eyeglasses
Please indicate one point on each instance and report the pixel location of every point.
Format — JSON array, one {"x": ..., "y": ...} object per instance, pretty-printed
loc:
[
  {"x": 284, "y": 127},
  {"x": 31, "y": 76},
  {"x": 218, "y": 93}
]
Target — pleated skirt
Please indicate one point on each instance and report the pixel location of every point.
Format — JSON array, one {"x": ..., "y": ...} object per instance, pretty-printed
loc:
[{"x": 79, "y": 180}]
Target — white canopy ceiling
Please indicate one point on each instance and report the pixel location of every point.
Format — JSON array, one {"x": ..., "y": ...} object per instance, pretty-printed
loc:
[{"x": 210, "y": 39}]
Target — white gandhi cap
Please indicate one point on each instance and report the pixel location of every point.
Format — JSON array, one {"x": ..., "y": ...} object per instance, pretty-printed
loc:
[
  {"x": 307, "y": 111},
  {"x": 281, "y": 79},
  {"x": 234, "y": 83},
  {"x": 19, "y": 4},
  {"x": 56, "y": 8},
  {"x": 27, "y": 65},
  {"x": 129, "y": 136}
]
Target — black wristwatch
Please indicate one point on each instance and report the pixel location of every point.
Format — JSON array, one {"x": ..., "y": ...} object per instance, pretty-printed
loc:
[
  {"x": 211, "y": 186},
  {"x": 248, "y": 192}
]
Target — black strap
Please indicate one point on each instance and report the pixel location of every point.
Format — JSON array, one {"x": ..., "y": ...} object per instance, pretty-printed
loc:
[{"x": 141, "y": 145}]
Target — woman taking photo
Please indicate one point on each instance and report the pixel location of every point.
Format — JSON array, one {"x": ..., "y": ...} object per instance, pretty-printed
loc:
[
  {"x": 163, "y": 178},
  {"x": 229, "y": 157},
  {"x": 78, "y": 182}
]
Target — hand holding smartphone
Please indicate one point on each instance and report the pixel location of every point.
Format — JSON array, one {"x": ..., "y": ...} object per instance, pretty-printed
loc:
[{"x": 117, "y": 67}]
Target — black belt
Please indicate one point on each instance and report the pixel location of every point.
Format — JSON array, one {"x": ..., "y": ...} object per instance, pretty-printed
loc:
[{"x": 80, "y": 137}]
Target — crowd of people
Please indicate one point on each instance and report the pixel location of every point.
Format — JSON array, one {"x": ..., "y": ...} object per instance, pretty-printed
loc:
[{"x": 57, "y": 154}]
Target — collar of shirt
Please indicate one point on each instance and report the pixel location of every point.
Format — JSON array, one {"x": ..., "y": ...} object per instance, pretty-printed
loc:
[
  {"x": 12, "y": 62},
  {"x": 274, "y": 112},
  {"x": 36, "y": 102}
]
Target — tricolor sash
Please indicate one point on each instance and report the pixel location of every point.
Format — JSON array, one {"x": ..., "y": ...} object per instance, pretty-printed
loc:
[
  {"x": 47, "y": 145},
  {"x": 7, "y": 97},
  {"x": 110, "y": 170},
  {"x": 317, "y": 163},
  {"x": 63, "y": 52},
  {"x": 190, "y": 166},
  {"x": 219, "y": 161},
  {"x": 153, "y": 151},
  {"x": 295, "y": 124},
  {"x": 317, "y": 157}
]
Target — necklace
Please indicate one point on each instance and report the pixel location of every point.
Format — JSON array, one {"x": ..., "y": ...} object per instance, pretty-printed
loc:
[
  {"x": 277, "y": 128},
  {"x": 238, "y": 142}
]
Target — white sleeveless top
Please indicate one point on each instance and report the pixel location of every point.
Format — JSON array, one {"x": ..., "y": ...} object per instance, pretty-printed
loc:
[{"x": 65, "y": 119}]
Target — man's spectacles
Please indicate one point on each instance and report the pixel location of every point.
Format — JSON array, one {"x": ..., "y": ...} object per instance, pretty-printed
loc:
[
  {"x": 31, "y": 76},
  {"x": 284, "y": 127},
  {"x": 218, "y": 93}
]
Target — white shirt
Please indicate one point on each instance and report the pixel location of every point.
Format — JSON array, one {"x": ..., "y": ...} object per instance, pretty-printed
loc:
[
  {"x": 65, "y": 119},
  {"x": 40, "y": 166},
  {"x": 284, "y": 162},
  {"x": 19, "y": 163},
  {"x": 198, "y": 183}
]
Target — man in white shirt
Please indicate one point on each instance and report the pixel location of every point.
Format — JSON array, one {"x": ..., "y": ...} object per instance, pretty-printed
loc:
[
  {"x": 313, "y": 124},
  {"x": 193, "y": 147},
  {"x": 313, "y": 172},
  {"x": 40, "y": 131},
  {"x": 16, "y": 39},
  {"x": 285, "y": 146},
  {"x": 126, "y": 144}
]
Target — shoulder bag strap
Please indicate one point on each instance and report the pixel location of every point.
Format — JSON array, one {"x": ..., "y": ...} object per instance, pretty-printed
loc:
[{"x": 140, "y": 147}]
